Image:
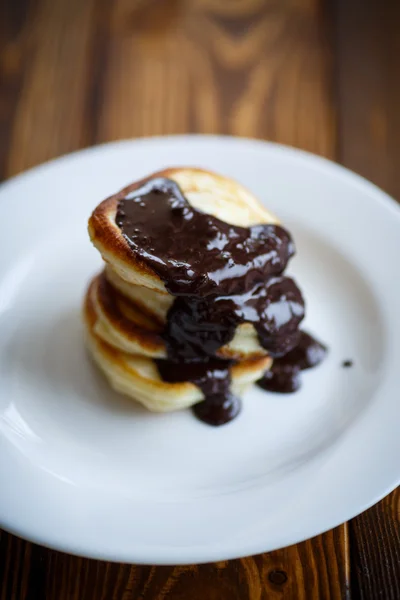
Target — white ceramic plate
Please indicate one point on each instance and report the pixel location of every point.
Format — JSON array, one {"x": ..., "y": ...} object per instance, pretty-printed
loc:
[{"x": 86, "y": 471}]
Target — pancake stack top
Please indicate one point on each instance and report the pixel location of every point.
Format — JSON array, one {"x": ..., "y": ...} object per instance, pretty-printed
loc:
[{"x": 194, "y": 282}]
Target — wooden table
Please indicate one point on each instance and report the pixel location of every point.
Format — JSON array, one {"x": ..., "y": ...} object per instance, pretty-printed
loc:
[{"x": 323, "y": 76}]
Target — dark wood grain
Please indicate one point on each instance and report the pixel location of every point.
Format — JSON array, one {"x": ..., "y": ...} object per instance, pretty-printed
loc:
[
  {"x": 367, "y": 83},
  {"x": 30, "y": 572},
  {"x": 367, "y": 88},
  {"x": 78, "y": 72},
  {"x": 14, "y": 56},
  {"x": 49, "y": 117},
  {"x": 375, "y": 550}
]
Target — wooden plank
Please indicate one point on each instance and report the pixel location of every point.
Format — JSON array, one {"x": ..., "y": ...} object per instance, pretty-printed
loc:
[
  {"x": 259, "y": 69},
  {"x": 367, "y": 49},
  {"x": 15, "y": 49},
  {"x": 101, "y": 71},
  {"x": 49, "y": 118},
  {"x": 375, "y": 550},
  {"x": 309, "y": 571}
]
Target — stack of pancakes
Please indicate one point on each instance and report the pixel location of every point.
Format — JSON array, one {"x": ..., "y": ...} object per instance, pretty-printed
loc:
[{"x": 126, "y": 305}]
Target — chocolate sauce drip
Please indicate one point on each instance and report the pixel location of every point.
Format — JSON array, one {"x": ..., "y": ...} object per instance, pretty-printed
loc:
[
  {"x": 282, "y": 378},
  {"x": 284, "y": 375},
  {"x": 194, "y": 253},
  {"x": 213, "y": 378},
  {"x": 222, "y": 275},
  {"x": 198, "y": 327}
]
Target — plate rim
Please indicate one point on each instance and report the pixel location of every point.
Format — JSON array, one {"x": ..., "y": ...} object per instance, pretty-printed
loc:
[{"x": 319, "y": 162}]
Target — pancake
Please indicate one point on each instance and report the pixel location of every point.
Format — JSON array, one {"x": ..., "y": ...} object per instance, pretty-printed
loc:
[
  {"x": 122, "y": 325},
  {"x": 192, "y": 260},
  {"x": 138, "y": 376},
  {"x": 211, "y": 193},
  {"x": 131, "y": 319},
  {"x": 155, "y": 304}
]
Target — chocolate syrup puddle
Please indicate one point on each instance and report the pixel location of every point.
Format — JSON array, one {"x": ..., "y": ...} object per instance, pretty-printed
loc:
[
  {"x": 284, "y": 375},
  {"x": 221, "y": 275}
]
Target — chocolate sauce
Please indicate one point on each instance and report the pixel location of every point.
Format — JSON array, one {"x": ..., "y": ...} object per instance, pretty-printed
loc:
[
  {"x": 222, "y": 275},
  {"x": 284, "y": 375},
  {"x": 194, "y": 253},
  {"x": 213, "y": 378},
  {"x": 198, "y": 327},
  {"x": 347, "y": 364}
]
